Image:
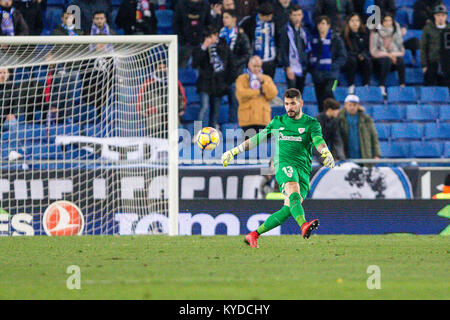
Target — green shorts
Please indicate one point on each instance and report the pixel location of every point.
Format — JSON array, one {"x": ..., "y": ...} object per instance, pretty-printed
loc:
[{"x": 287, "y": 173}]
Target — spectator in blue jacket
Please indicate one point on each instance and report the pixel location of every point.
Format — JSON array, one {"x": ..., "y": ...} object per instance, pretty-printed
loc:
[{"x": 328, "y": 56}]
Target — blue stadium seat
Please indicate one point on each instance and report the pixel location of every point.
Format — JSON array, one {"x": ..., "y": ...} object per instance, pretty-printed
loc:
[
  {"x": 383, "y": 130},
  {"x": 44, "y": 151},
  {"x": 311, "y": 109},
  {"x": 223, "y": 114},
  {"x": 340, "y": 93},
  {"x": 401, "y": 95},
  {"x": 404, "y": 3},
  {"x": 388, "y": 113},
  {"x": 280, "y": 76},
  {"x": 369, "y": 94},
  {"x": 56, "y": 2},
  {"x": 164, "y": 18},
  {"x": 282, "y": 87},
  {"x": 116, "y": 3},
  {"x": 406, "y": 131},
  {"x": 394, "y": 149},
  {"x": 52, "y": 17},
  {"x": 447, "y": 150},
  {"x": 421, "y": 113},
  {"x": 191, "y": 113},
  {"x": 309, "y": 95},
  {"x": 93, "y": 130},
  {"x": 278, "y": 111},
  {"x": 191, "y": 94},
  {"x": 412, "y": 33},
  {"x": 404, "y": 16},
  {"x": 434, "y": 95},
  {"x": 414, "y": 76},
  {"x": 435, "y": 131},
  {"x": 444, "y": 113},
  {"x": 187, "y": 76},
  {"x": 427, "y": 149}
]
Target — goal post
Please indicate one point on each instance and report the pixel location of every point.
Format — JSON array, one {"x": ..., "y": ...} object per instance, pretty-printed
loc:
[{"x": 92, "y": 120}]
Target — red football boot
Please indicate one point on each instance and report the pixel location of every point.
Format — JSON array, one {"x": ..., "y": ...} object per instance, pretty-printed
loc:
[
  {"x": 252, "y": 239},
  {"x": 308, "y": 227}
]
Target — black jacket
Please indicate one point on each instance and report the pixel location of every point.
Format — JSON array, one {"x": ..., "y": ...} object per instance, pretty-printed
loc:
[
  {"x": 8, "y": 99},
  {"x": 240, "y": 54},
  {"x": 87, "y": 9},
  {"x": 281, "y": 15},
  {"x": 301, "y": 45},
  {"x": 329, "y": 8},
  {"x": 358, "y": 43},
  {"x": 332, "y": 135},
  {"x": 126, "y": 19},
  {"x": 213, "y": 83},
  {"x": 20, "y": 26},
  {"x": 32, "y": 14},
  {"x": 423, "y": 11},
  {"x": 339, "y": 58},
  {"x": 189, "y": 21}
]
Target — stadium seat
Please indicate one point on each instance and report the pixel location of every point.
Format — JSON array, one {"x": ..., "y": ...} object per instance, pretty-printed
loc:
[
  {"x": 282, "y": 87},
  {"x": 444, "y": 113},
  {"x": 44, "y": 151},
  {"x": 406, "y": 131},
  {"x": 191, "y": 94},
  {"x": 434, "y": 95},
  {"x": 93, "y": 130},
  {"x": 223, "y": 114},
  {"x": 369, "y": 94},
  {"x": 435, "y": 131},
  {"x": 383, "y": 130},
  {"x": 388, "y": 113},
  {"x": 421, "y": 113},
  {"x": 278, "y": 111},
  {"x": 191, "y": 113},
  {"x": 340, "y": 93},
  {"x": 280, "y": 76},
  {"x": 404, "y": 16},
  {"x": 447, "y": 150},
  {"x": 427, "y": 149},
  {"x": 164, "y": 18},
  {"x": 309, "y": 95},
  {"x": 187, "y": 76},
  {"x": 56, "y": 2},
  {"x": 52, "y": 17},
  {"x": 414, "y": 76},
  {"x": 394, "y": 149},
  {"x": 401, "y": 95},
  {"x": 311, "y": 110}
]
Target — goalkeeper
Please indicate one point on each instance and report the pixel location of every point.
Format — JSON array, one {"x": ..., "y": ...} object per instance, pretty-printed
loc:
[{"x": 295, "y": 134}]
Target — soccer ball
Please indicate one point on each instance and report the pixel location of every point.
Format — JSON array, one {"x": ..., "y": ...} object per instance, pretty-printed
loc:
[{"x": 208, "y": 138}]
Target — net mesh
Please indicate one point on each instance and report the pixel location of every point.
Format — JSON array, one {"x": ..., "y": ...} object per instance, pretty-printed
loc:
[{"x": 85, "y": 123}]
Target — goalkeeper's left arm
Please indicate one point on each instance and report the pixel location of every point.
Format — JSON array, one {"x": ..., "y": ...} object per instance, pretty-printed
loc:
[
  {"x": 248, "y": 144},
  {"x": 321, "y": 146}
]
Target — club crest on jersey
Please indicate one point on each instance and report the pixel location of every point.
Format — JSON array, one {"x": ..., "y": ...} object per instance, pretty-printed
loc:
[{"x": 301, "y": 130}]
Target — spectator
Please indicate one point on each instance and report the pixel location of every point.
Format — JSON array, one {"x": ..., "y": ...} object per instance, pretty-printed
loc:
[
  {"x": 328, "y": 56},
  {"x": 152, "y": 101},
  {"x": 386, "y": 47},
  {"x": 431, "y": 48},
  {"x": 213, "y": 59},
  {"x": 216, "y": 13},
  {"x": 190, "y": 19},
  {"x": 240, "y": 54},
  {"x": 423, "y": 12},
  {"x": 358, "y": 131},
  {"x": 281, "y": 13},
  {"x": 9, "y": 107},
  {"x": 100, "y": 25},
  {"x": 294, "y": 49},
  {"x": 330, "y": 128},
  {"x": 254, "y": 91},
  {"x": 246, "y": 8},
  {"x": 137, "y": 17},
  {"x": 356, "y": 38},
  {"x": 261, "y": 31},
  {"x": 87, "y": 10},
  {"x": 67, "y": 27},
  {"x": 337, "y": 11},
  {"x": 32, "y": 14},
  {"x": 12, "y": 21}
]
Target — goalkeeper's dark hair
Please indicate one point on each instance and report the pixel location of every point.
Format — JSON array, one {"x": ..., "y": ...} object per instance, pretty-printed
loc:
[
  {"x": 331, "y": 103},
  {"x": 293, "y": 93}
]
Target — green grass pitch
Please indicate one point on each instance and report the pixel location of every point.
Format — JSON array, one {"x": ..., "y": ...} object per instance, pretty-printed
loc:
[{"x": 221, "y": 267}]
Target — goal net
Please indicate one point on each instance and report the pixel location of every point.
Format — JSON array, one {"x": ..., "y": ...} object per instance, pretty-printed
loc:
[{"x": 89, "y": 135}]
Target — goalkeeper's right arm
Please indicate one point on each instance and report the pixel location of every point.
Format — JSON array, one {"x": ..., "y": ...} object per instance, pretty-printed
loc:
[{"x": 244, "y": 146}]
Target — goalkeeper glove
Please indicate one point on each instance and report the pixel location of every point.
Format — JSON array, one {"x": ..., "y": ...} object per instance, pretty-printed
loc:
[
  {"x": 328, "y": 160},
  {"x": 229, "y": 155}
]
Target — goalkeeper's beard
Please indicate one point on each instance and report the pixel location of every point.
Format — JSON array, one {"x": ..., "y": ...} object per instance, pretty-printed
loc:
[{"x": 293, "y": 113}]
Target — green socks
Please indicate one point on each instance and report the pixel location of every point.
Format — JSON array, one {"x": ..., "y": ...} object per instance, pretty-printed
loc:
[
  {"x": 296, "y": 208},
  {"x": 274, "y": 220}
]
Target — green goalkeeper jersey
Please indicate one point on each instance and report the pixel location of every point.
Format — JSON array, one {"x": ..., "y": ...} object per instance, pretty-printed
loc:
[{"x": 294, "y": 140}]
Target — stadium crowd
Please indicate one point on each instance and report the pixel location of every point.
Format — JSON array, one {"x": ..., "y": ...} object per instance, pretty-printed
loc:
[{"x": 236, "y": 47}]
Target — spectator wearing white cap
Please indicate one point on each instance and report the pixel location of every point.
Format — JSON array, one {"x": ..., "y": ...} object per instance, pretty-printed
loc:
[{"x": 358, "y": 131}]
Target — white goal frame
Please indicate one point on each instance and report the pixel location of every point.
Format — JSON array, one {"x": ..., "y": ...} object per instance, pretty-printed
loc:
[{"x": 171, "y": 41}]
